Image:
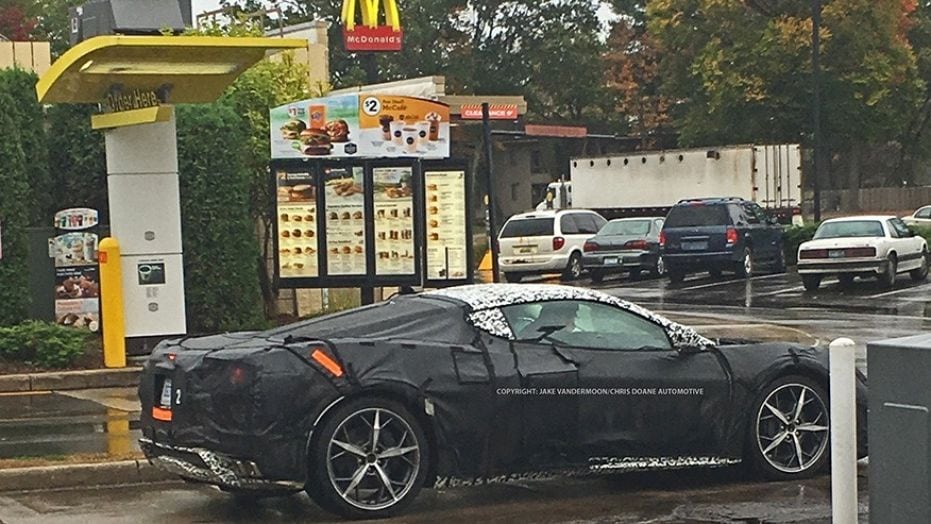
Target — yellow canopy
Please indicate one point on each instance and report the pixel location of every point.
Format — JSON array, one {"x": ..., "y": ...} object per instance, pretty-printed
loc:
[{"x": 198, "y": 68}]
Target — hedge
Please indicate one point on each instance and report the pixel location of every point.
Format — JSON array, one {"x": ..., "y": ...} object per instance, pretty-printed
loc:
[
  {"x": 77, "y": 159},
  {"x": 792, "y": 237},
  {"x": 220, "y": 246},
  {"x": 14, "y": 217},
  {"x": 42, "y": 344}
]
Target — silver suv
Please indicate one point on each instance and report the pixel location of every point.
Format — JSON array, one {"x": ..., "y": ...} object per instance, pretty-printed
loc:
[{"x": 546, "y": 242}]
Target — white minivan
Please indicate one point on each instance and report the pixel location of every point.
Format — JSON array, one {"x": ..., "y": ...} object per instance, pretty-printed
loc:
[{"x": 546, "y": 242}]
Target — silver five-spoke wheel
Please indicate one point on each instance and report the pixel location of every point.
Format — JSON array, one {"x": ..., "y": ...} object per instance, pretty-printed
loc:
[
  {"x": 792, "y": 428},
  {"x": 373, "y": 459}
]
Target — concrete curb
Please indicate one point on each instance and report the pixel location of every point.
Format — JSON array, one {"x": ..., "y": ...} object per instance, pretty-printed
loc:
[
  {"x": 81, "y": 475},
  {"x": 83, "y": 379}
]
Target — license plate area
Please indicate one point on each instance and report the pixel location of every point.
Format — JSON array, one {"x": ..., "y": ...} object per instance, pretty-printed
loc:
[
  {"x": 694, "y": 246},
  {"x": 611, "y": 261},
  {"x": 836, "y": 253},
  {"x": 525, "y": 250},
  {"x": 163, "y": 390}
]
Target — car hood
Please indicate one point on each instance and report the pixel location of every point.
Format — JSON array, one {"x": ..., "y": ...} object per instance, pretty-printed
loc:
[{"x": 841, "y": 242}]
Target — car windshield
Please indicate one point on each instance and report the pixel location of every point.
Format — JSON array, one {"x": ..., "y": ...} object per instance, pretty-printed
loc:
[
  {"x": 697, "y": 214},
  {"x": 528, "y": 227},
  {"x": 626, "y": 227},
  {"x": 850, "y": 228}
]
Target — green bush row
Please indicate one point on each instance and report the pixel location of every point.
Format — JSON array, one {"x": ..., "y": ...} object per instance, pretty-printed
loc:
[
  {"x": 42, "y": 344},
  {"x": 792, "y": 237}
]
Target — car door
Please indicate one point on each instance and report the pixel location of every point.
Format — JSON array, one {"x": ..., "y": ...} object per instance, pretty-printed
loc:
[
  {"x": 770, "y": 230},
  {"x": 635, "y": 395},
  {"x": 758, "y": 232},
  {"x": 906, "y": 244}
]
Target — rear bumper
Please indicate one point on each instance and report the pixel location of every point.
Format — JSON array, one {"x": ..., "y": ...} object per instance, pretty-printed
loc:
[
  {"x": 701, "y": 260},
  {"x": 619, "y": 260},
  {"x": 829, "y": 267},
  {"x": 534, "y": 263},
  {"x": 202, "y": 465}
]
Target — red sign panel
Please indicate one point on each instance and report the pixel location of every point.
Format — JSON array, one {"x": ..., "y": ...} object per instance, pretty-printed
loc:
[
  {"x": 495, "y": 112},
  {"x": 363, "y": 38},
  {"x": 556, "y": 131}
]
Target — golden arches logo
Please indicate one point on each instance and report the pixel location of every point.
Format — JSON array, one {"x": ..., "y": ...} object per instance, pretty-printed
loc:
[{"x": 370, "y": 10}]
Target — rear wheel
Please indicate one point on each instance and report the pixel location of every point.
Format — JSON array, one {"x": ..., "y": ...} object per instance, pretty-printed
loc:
[
  {"x": 921, "y": 272},
  {"x": 745, "y": 266},
  {"x": 659, "y": 268},
  {"x": 573, "y": 268},
  {"x": 811, "y": 282},
  {"x": 369, "y": 459},
  {"x": 779, "y": 266},
  {"x": 597, "y": 275},
  {"x": 513, "y": 278},
  {"x": 887, "y": 279}
]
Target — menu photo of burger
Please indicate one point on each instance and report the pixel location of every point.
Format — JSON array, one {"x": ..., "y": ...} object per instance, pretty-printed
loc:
[
  {"x": 338, "y": 131},
  {"x": 292, "y": 129},
  {"x": 315, "y": 142}
]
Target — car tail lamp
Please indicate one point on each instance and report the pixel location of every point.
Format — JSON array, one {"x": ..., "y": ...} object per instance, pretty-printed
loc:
[
  {"x": 662, "y": 239},
  {"x": 239, "y": 375},
  {"x": 813, "y": 253},
  {"x": 860, "y": 252},
  {"x": 589, "y": 246},
  {"x": 558, "y": 243},
  {"x": 731, "y": 236},
  {"x": 636, "y": 244}
]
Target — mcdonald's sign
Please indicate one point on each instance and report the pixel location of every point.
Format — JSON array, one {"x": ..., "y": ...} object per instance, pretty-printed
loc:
[{"x": 377, "y": 32}]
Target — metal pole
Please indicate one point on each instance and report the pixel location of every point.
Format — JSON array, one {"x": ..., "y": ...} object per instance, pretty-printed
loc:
[
  {"x": 489, "y": 187},
  {"x": 816, "y": 109},
  {"x": 842, "y": 357}
]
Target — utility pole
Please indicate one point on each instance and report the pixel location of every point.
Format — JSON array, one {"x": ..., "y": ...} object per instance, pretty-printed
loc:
[
  {"x": 489, "y": 188},
  {"x": 816, "y": 109}
]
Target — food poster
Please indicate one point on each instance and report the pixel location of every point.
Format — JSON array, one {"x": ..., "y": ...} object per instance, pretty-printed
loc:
[
  {"x": 77, "y": 294},
  {"x": 74, "y": 249},
  {"x": 361, "y": 125},
  {"x": 445, "y": 193},
  {"x": 296, "y": 213},
  {"x": 345, "y": 220},
  {"x": 394, "y": 221},
  {"x": 76, "y": 219}
]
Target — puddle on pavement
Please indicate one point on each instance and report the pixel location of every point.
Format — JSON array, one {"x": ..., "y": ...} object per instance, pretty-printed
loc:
[{"x": 57, "y": 425}]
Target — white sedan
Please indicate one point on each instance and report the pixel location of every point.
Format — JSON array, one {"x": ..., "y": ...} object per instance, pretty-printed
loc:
[
  {"x": 865, "y": 246},
  {"x": 921, "y": 217}
]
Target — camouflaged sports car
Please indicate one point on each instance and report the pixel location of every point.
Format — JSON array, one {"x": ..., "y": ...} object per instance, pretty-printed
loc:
[{"x": 364, "y": 408}]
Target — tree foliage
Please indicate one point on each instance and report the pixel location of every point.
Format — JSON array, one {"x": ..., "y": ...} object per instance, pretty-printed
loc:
[
  {"x": 77, "y": 159},
  {"x": 14, "y": 216}
]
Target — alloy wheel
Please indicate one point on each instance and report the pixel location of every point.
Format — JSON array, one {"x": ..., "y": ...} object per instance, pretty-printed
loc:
[
  {"x": 748, "y": 264},
  {"x": 373, "y": 459},
  {"x": 660, "y": 266},
  {"x": 793, "y": 428}
]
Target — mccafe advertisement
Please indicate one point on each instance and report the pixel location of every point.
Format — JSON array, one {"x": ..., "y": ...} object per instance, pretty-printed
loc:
[{"x": 361, "y": 126}]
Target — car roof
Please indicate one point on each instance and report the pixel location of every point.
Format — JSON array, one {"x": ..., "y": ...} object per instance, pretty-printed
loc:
[
  {"x": 548, "y": 213},
  {"x": 628, "y": 219},
  {"x": 861, "y": 217},
  {"x": 712, "y": 200}
]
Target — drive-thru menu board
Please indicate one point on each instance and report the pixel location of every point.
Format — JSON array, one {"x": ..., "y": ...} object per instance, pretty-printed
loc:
[
  {"x": 345, "y": 220},
  {"x": 446, "y": 237},
  {"x": 394, "y": 220},
  {"x": 297, "y": 224}
]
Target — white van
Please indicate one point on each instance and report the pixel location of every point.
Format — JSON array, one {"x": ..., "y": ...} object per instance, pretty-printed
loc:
[{"x": 546, "y": 242}]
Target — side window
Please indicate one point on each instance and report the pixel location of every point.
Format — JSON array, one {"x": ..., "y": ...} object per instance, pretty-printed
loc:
[
  {"x": 600, "y": 222},
  {"x": 582, "y": 324},
  {"x": 567, "y": 225},
  {"x": 898, "y": 228},
  {"x": 749, "y": 213},
  {"x": 760, "y": 213},
  {"x": 587, "y": 224},
  {"x": 658, "y": 224},
  {"x": 924, "y": 212}
]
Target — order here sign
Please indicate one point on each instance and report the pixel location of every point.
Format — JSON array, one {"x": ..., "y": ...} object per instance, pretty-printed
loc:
[{"x": 370, "y": 35}]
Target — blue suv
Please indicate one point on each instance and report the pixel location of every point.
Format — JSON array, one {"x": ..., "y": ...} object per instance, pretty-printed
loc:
[{"x": 720, "y": 234}]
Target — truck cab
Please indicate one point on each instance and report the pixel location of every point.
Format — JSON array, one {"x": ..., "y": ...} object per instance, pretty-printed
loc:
[{"x": 558, "y": 196}]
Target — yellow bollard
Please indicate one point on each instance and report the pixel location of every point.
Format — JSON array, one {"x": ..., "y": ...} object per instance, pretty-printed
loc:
[{"x": 111, "y": 304}]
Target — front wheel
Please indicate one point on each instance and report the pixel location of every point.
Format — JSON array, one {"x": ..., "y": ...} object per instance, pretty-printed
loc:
[
  {"x": 789, "y": 435},
  {"x": 513, "y": 278},
  {"x": 921, "y": 272},
  {"x": 368, "y": 460},
  {"x": 574, "y": 268}
]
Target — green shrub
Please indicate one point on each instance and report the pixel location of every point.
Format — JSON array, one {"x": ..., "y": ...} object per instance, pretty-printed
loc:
[
  {"x": 924, "y": 232},
  {"x": 77, "y": 159},
  {"x": 42, "y": 344},
  {"x": 221, "y": 252},
  {"x": 14, "y": 217},
  {"x": 792, "y": 237}
]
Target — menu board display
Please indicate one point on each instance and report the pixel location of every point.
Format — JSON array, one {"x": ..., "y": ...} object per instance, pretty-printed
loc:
[
  {"x": 297, "y": 224},
  {"x": 345, "y": 220},
  {"x": 446, "y": 225},
  {"x": 394, "y": 221}
]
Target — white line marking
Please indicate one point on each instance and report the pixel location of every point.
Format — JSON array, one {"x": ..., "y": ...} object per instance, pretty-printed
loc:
[
  {"x": 733, "y": 281},
  {"x": 780, "y": 292},
  {"x": 897, "y": 291}
]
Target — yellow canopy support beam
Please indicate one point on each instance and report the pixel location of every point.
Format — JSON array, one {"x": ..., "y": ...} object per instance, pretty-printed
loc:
[
  {"x": 196, "y": 69},
  {"x": 146, "y": 115}
]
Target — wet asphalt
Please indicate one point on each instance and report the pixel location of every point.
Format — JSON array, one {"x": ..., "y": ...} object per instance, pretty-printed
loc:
[{"x": 765, "y": 307}]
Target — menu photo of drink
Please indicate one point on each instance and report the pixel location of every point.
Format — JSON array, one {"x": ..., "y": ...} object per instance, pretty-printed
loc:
[
  {"x": 345, "y": 220},
  {"x": 446, "y": 225},
  {"x": 394, "y": 221},
  {"x": 297, "y": 225}
]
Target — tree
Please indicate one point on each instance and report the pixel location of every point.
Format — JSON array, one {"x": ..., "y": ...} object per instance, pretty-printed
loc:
[
  {"x": 77, "y": 159},
  {"x": 14, "y": 218},
  {"x": 16, "y": 23}
]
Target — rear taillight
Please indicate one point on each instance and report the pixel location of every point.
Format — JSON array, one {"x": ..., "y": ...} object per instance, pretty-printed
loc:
[
  {"x": 813, "y": 253},
  {"x": 859, "y": 252},
  {"x": 636, "y": 244},
  {"x": 239, "y": 375},
  {"x": 731, "y": 236},
  {"x": 590, "y": 246},
  {"x": 662, "y": 239},
  {"x": 558, "y": 243}
]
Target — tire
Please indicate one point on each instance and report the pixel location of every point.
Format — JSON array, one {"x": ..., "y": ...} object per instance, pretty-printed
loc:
[
  {"x": 920, "y": 273},
  {"x": 597, "y": 275},
  {"x": 887, "y": 279},
  {"x": 659, "y": 268},
  {"x": 573, "y": 269},
  {"x": 783, "y": 441},
  {"x": 846, "y": 280},
  {"x": 744, "y": 268},
  {"x": 342, "y": 453},
  {"x": 675, "y": 275},
  {"x": 779, "y": 266},
  {"x": 811, "y": 282},
  {"x": 513, "y": 278}
]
